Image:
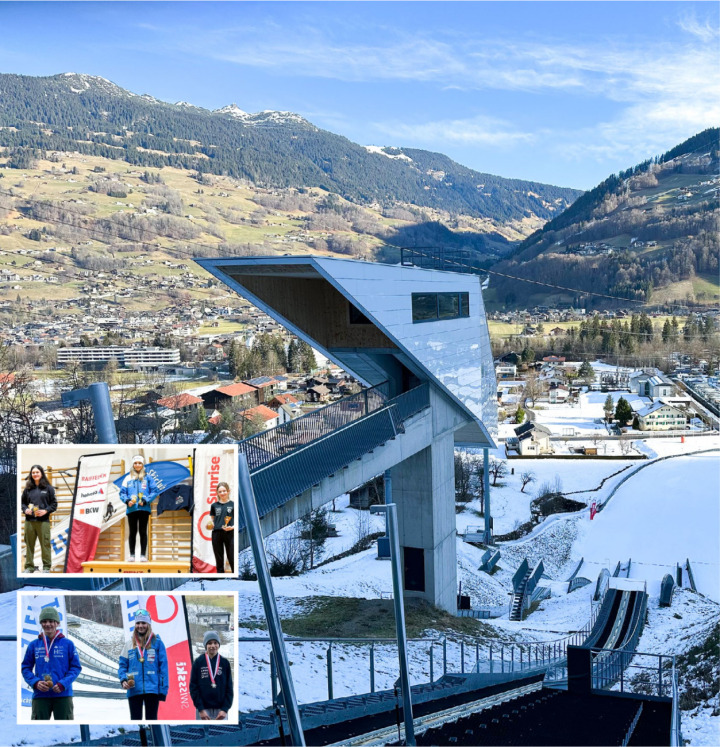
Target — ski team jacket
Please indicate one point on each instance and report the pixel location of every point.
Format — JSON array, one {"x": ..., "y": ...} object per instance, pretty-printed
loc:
[
  {"x": 132, "y": 487},
  {"x": 64, "y": 666},
  {"x": 43, "y": 498},
  {"x": 201, "y": 691},
  {"x": 151, "y": 676}
]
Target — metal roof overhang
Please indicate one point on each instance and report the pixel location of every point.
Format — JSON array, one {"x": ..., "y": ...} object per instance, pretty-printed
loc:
[{"x": 242, "y": 274}]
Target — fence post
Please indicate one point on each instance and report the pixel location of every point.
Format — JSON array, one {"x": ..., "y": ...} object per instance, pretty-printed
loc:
[
  {"x": 477, "y": 657},
  {"x": 430, "y": 651},
  {"x": 491, "y": 660},
  {"x": 329, "y": 672},
  {"x": 372, "y": 668},
  {"x": 462, "y": 657},
  {"x": 660, "y": 675},
  {"x": 444, "y": 656},
  {"x": 512, "y": 658},
  {"x": 502, "y": 658}
]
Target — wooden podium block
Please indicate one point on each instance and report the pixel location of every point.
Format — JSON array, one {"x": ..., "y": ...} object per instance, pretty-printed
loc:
[{"x": 111, "y": 567}]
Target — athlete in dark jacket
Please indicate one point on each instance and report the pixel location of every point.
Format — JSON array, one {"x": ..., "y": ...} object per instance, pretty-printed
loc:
[
  {"x": 38, "y": 502},
  {"x": 211, "y": 684}
]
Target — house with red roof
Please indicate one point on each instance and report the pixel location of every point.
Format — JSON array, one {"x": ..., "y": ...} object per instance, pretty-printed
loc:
[{"x": 240, "y": 396}]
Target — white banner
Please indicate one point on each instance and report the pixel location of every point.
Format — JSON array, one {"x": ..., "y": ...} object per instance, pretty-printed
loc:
[
  {"x": 32, "y": 605},
  {"x": 90, "y": 500},
  {"x": 212, "y": 465}
]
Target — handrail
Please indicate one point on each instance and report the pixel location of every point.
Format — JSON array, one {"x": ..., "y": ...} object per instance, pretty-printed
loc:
[
  {"x": 631, "y": 728},
  {"x": 266, "y": 446},
  {"x": 676, "y": 739}
]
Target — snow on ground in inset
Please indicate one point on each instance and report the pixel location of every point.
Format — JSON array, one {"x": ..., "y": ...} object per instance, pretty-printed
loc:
[{"x": 662, "y": 515}]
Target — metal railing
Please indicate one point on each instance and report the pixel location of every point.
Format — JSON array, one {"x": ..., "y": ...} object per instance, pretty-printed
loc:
[
  {"x": 274, "y": 443},
  {"x": 440, "y": 258}
]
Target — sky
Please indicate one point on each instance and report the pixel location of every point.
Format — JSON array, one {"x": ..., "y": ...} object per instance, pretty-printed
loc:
[{"x": 565, "y": 93}]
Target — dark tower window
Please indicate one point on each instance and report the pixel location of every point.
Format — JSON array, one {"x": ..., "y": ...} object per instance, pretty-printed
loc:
[{"x": 414, "y": 568}]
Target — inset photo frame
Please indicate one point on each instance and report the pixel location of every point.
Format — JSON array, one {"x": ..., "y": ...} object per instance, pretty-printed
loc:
[
  {"x": 152, "y": 510},
  {"x": 121, "y": 658}
]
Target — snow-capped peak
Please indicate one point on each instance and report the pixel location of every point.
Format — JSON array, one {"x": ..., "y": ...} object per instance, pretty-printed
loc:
[{"x": 233, "y": 110}]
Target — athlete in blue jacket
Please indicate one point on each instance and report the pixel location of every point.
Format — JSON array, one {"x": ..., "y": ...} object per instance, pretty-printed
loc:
[
  {"x": 50, "y": 666},
  {"x": 143, "y": 670},
  {"x": 137, "y": 492}
]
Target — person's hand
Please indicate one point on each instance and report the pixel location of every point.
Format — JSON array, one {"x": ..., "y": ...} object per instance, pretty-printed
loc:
[
  {"x": 42, "y": 686},
  {"x": 28, "y": 512},
  {"x": 58, "y": 688},
  {"x": 41, "y": 512},
  {"x": 141, "y": 503},
  {"x": 228, "y": 529},
  {"x": 221, "y": 716},
  {"x": 204, "y": 716},
  {"x": 124, "y": 685}
]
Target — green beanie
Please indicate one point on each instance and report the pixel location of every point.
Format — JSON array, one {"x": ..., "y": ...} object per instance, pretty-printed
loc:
[{"x": 49, "y": 613}]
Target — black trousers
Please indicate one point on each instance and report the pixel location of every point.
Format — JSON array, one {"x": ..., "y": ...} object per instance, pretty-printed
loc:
[
  {"x": 138, "y": 520},
  {"x": 222, "y": 542},
  {"x": 152, "y": 703}
]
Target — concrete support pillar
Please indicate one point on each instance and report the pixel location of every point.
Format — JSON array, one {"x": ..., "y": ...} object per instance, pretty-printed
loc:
[{"x": 423, "y": 488}]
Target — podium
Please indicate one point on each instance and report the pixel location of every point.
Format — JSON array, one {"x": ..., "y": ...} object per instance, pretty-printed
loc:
[{"x": 112, "y": 567}]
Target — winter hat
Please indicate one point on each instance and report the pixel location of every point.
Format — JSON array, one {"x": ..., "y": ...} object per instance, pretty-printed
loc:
[
  {"x": 138, "y": 458},
  {"x": 142, "y": 616},
  {"x": 211, "y": 635},
  {"x": 50, "y": 613}
]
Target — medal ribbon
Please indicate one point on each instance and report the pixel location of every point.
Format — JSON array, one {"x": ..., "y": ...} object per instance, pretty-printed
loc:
[
  {"x": 217, "y": 666},
  {"x": 141, "y": 649},
  {"x": 48, "y": 650}
]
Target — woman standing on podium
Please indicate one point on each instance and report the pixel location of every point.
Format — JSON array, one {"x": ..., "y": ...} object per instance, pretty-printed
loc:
[
  {"x": 222, "y": 515},
  {"x": 138, "y": 491}
]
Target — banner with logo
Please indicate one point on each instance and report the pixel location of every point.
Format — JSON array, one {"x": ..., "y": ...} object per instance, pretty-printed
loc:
[
  {"x": 169, "y": 621},
  {"x": 212, "y": 465},
  {"x": 88, "y": 508},
  {"x": 31, "y": 606}
]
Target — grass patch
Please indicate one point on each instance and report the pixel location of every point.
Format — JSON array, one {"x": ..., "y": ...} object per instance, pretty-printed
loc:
[{"x": 341, "y": 617}]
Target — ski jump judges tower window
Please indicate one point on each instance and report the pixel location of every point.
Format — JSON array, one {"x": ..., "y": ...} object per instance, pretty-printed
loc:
[
  {"x": 364, "y": 317},
  {"x": 432, "y": 307}
]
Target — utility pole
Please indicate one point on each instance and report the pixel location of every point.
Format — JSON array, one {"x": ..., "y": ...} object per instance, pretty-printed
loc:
[
  {"x": 390, "y": 511},
  {"x": 252, "y": 524}
]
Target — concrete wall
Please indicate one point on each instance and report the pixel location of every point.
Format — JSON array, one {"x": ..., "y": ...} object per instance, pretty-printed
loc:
[{"x": 423, "y": 472}]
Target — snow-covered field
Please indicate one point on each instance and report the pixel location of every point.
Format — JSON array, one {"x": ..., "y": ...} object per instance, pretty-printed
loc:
[{"x": 664, "y": 513}]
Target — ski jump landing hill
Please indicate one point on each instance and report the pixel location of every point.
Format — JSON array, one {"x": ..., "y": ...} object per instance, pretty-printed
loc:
[{"x": 420, "y": 339}]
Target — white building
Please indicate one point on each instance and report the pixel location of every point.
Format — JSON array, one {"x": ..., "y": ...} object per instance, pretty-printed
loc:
[
  {"x": 127, "y": 357},
  {"x": 661, "y": 416}
]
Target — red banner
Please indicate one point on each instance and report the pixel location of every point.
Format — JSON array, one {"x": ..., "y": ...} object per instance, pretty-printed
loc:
[
  {"x": 89, "y": 500},
  {"x": 168, "y": 620}
]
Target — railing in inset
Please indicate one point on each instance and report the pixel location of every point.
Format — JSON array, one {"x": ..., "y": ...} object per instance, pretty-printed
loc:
[{"x": 275, "y": 443}]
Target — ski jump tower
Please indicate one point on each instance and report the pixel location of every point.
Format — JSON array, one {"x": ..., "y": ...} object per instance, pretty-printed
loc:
[{"x": 409, "y": 327}]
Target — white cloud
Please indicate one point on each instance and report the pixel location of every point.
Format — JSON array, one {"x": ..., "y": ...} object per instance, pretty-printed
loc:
[
  {"x": 705, "y": 31},
  {"x": 479, "y": 131}
]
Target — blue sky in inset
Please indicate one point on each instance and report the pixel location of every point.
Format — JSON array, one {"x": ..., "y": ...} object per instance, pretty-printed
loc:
[{"x": 560, "y": 92}]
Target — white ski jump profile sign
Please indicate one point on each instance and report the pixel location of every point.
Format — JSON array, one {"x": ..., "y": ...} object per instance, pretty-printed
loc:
[
  {"x": 211, "y": 467},
  {"x": 88, "y": 509},
  {"x": 31, "y": 606}
]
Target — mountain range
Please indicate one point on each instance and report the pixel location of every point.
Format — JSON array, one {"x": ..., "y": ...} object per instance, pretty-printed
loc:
[{"x": 270, "y": 149}]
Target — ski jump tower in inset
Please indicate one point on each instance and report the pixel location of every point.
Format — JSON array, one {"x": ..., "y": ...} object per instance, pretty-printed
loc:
[{"x": 411, "y": 328}]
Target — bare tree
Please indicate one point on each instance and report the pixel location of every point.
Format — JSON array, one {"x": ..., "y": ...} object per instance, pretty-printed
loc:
[
  {"x": 498, "y": 470},
  {"x": 525, "y": 479},
  {"x": 532, "y": 386},
  {"x": 625, "y": 445}
]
